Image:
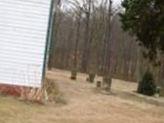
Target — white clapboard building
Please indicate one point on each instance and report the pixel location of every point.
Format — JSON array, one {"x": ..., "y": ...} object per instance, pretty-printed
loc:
[{"x": 24, "y": 32}]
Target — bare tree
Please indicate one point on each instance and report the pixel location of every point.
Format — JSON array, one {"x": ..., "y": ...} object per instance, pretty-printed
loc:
[
  {"x": 107, "y": 48},
  {"x": 85, "y": 56},
  {"x": 75, "y": 57}
]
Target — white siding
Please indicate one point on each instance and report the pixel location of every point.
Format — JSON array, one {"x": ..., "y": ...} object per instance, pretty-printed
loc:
[{"x": 23, "y": 31}]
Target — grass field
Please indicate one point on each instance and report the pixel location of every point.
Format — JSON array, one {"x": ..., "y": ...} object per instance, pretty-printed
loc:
[{"x": 83, "y": 104}]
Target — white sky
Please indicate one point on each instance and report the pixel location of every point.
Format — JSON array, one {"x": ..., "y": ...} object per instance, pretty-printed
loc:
[{"x": 115, "y": 3}]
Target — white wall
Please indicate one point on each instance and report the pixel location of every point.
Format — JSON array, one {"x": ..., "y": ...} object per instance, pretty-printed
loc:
[{"x": 23, "y": 31}]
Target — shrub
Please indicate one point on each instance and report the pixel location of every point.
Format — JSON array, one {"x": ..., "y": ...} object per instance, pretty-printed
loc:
[{"x": 147, "y": 85}]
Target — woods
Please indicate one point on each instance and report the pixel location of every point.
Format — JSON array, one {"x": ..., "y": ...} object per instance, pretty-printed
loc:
[{"x": 88, "y": 37}]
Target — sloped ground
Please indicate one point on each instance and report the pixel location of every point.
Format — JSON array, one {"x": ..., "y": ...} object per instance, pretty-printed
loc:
[{"x": 84, "y": 104}]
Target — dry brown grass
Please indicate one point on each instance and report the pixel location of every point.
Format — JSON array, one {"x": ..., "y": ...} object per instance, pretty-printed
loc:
[{"x": 84, "y": 105}]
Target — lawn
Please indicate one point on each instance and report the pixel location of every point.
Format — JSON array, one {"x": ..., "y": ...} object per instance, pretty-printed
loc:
[{"x": 84, "y": 104}]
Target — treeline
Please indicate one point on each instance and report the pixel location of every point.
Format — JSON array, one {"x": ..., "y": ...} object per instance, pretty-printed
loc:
[{"x": 89, "y": 38}]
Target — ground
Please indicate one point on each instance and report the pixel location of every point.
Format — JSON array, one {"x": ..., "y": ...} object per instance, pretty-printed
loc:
[{"x": 82, "y": 103}]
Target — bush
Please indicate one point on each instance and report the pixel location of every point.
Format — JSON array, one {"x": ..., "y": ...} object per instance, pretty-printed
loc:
[{"x": 147, "y": 85}]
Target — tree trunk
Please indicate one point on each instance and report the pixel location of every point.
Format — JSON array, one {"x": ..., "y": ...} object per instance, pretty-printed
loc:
[
  {"x": 85, "y": 56},
  {"x": 107, "y": 55},
  {"x": 74, "y": 71}
]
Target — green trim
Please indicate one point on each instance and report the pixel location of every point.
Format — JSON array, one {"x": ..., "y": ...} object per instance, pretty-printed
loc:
[{"x": 48, "y": 40}]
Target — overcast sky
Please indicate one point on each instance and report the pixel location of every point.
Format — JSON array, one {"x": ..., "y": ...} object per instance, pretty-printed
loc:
[
  {"x": 115, "y": 3},
  {"x": 118, "y": 2}
]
